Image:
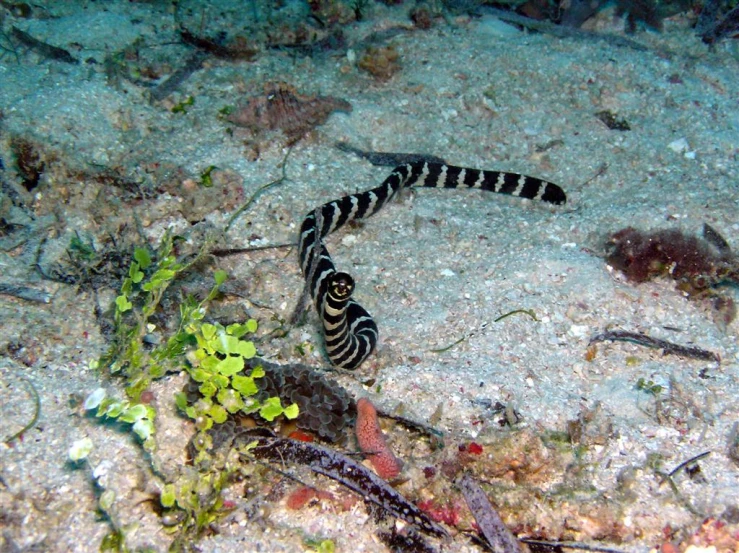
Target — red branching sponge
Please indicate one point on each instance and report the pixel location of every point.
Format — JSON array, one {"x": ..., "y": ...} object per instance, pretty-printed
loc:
[{"x": 372, "y": 441}]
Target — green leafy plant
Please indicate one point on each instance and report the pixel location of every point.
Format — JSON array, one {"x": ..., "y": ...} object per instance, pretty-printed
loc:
[
  {"x": 320, "y": 545},
  {"x": 214, "y": 356},
  {"x": 140, "y": 416},
  {"x": 81, "y": 249},
  {"x": 218, "y": 366},
  {"x": 194, "y": 500},
  {"x": 139, "y": 298}
]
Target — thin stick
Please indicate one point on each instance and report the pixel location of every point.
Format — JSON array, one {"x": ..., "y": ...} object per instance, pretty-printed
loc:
[
  {"x": 450, "y": 346},
  {"x": 261, "y": 189},
  {"x": 225, "y": 252},
  {"x": 25, "y": 293},
  {"x": 571, "y": 545},
  {"x": 667, "y": 347},
  {"x": 684, "y": 464},
  {"x": 529, "y": 312},
  {"x": 667, "y": 478},
  {"x": 598, "y": 172},
  {"x": 37, "y": 410}
]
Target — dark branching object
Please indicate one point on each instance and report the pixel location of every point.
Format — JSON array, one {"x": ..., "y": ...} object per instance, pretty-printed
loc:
[
  {"x": 713, "y": 26},
  {"x": 346, "y": 471},
  {"x": 612, "y": 121},
  {"x": 405, "y": 540},
  {"x": 30, "y": 161}
]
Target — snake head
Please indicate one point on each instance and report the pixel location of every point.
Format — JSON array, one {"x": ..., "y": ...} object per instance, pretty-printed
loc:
[{"x": 341, "y": 286}]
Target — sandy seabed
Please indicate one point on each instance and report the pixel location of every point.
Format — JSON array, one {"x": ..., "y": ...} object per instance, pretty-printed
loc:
[{"x": 433, "y": 267}]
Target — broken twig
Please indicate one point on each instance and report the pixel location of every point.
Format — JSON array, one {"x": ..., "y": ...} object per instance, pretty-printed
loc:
[
  {"x": 25, "y": 293},
  {"x": 684, "y": 464},
  {"x": 497, "y": 534},
  {"x": 529, "y": 312},
  {"x": 348, "y": 472},
  {"x": 571, "y": 545},
  {"x": 42, "y": 48},
  {"x": 667, "y": 347}
]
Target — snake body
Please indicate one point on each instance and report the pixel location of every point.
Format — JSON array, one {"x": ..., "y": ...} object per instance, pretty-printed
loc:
[{"x": 350, "y": 332}]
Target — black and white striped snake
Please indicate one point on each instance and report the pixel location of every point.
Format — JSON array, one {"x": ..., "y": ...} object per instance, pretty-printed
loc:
[{"x": 350, "y": 332}]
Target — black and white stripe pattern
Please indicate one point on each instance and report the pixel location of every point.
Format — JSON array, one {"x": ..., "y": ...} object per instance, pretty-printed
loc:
[{"x": 349, "y": 331}]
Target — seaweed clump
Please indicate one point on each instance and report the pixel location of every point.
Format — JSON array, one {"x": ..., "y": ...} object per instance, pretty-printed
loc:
[
  {"x": 697, "y": 264},
  {"x": 281, "y": 107},
  {"x": 381, "y": 63}
]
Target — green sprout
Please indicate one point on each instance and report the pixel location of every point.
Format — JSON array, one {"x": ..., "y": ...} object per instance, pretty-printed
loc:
[
  {"x": 80, "y": 450},
  {"x": 206, "y": 179},
  {"x": 649, "y": 387},
  {"x": 320, "y": 545},
  {"x": 181, "y": 107},
  {"x": 84, "y": 251}
]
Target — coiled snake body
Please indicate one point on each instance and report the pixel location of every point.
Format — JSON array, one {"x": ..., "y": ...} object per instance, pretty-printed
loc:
[{"x": 350, "y": 332}]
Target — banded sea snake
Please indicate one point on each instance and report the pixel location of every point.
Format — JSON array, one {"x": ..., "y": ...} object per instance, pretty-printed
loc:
[{"x": 350, "y": 332}]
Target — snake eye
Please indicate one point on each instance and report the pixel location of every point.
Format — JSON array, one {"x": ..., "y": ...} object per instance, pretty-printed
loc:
[{"x": 342, "y": 285}]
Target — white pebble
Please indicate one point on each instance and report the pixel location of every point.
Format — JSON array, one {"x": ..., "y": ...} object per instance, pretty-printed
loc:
[{"x": 679, "y": 146}]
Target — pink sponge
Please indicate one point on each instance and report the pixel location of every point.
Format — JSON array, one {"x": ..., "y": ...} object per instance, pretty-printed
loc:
[{"x": 372, "y": 441}]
